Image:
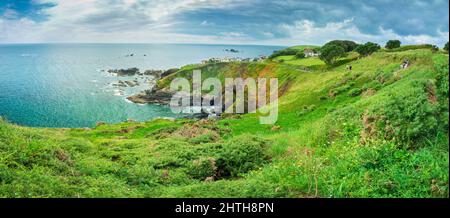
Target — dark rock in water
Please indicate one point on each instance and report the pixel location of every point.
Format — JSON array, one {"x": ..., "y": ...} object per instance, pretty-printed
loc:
[
  {"x": 232, "y": 50},
  {"x": 125, "y": 72},
  {"x": 156, "y": 73},
  {"x": 132, "y": 83},
  {"x": 120, "y": 84}
]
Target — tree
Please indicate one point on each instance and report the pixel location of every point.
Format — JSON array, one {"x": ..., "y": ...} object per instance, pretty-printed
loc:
[
  {"x": 446, "y": 47},
  {"x": 434, "y": 48},
  {"x": 391, "y": 44},
  {"x": 346, "y": 44},
  {"x": 330, "y": 53},
  {"x": 367, "y": 49},
  {"x": 300, "y": 55}
]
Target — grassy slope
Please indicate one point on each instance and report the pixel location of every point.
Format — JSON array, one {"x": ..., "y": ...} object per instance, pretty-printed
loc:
[{"x": 374, "y": 132}]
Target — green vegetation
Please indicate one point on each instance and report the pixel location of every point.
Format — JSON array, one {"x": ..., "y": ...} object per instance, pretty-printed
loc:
[
  {"x": 331, "y": 53},
  {"x": 446, "y": 47},
  {"x": 300, "y": 55},
  {"x": 375, "y": 131},
  {"x": 347, "y": 45},
  {"x": 367, "y": 49},
  {"x": 391, "y": 44},
  {"x": 412, "y": 47},
  {"x": 294, "y": 50}
]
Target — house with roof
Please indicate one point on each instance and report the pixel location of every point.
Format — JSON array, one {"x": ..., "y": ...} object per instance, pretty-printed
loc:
[{"x": 309, "y": 52}]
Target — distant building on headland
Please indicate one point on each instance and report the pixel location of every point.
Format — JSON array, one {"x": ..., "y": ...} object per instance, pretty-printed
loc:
[
  {"x": 309, "y": 52},
  {"x": 227, "y": 60}
]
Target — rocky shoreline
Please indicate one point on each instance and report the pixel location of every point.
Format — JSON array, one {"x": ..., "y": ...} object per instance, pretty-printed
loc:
[
  {"x": 135, "y": 71},
  {"x": 157, "y": 95},
  {"x": 149, "y": 96}
]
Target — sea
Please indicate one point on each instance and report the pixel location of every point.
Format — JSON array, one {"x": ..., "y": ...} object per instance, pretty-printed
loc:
[{"x": 68, "y": 85}]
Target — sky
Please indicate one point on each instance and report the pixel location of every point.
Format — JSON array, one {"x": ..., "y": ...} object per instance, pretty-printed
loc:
[{"x": 264, "y": 22}]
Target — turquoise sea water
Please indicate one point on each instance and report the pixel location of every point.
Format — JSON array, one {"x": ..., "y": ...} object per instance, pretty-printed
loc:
[{"x": 65, "y": 85}]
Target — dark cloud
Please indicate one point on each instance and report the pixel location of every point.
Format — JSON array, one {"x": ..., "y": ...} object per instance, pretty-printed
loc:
[
  {"x": 255, "y": 21},
  {"x": 404, "y": 17}
]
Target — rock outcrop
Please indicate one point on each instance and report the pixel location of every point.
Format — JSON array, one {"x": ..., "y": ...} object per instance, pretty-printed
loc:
[
  {"x": 125, "y": 72},
  {"x": 168, "y": 72},
  {"x": 152, "y": 97}
]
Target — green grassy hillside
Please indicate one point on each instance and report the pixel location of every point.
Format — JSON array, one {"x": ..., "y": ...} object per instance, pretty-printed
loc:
[{"x": 375, "y": 131}]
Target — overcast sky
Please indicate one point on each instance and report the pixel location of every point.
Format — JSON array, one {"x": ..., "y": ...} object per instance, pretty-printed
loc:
[{"x": 283, "y": 22}]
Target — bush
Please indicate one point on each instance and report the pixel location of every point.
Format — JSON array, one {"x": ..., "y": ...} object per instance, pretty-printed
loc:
[
  {"x": 407, "y": 116},
  {"x": 367, "y": 49},
  {"x": 391, "y": 44},
  {"x": 411, "y": 47},
  {"x": 241, "y": 155},
  {"x": 300, "y": 55},
  {"x": 347, "y": 45},
  {"x": 342, "y": 88},
  {"x": 434, "y": 48},
  {"x": 354, "y": 92},
  {"x": 331, "y": 53},
  {"x": 205, "y": 138},
  {"x": 446, "y": 47},
  {"x": 283, "y": 52},
  {"x": 375, "y": 85},
  {"x": 203, "y": 168}
]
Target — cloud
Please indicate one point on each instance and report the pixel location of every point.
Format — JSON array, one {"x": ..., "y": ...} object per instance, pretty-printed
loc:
[
  {"x": 10, "y": 14},
  {"x": 308, "y": 32},
  {"x": 284, "y": 22}
]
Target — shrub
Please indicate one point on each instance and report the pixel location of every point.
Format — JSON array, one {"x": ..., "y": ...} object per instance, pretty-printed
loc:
[
  {"x": 367, "y": 49},
  {"x": 375, "y": 85},
  {"x": 300, "y": 55},
  {"x": 283, "y": 52},
  {"x": 341, "y": 89},
  {"x": 241, "y": 155},
  {"x": 354, "y": 92},
  {"x": 305, "y": 109},
  {"x": 347, "y": 45},
  {"x": 391, "y": 44},
  {"x": 434, "y": 48},
  {"x": 331, "y": 53},
  {"x": 203, "y": 168},
  {"x": 407, "y": 116},
  {"x": 446, "y": 47},
  {"x": 205, "y": 138},
  {"x": 411, "y": 47}
]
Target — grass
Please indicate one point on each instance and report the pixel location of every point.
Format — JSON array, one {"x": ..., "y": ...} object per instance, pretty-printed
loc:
[
  {"x": 375, "y": 131},
  {"x": 306, "y": 62}
]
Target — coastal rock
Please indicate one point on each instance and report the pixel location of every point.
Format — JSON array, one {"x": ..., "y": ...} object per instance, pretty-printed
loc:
[
  {"x": 125, "y": 72},
  {"x": 120, "y": 83},
  {"x": 168, "y": 72},
  {"x": 232, "y": 50},
  {"x": 132, "y": 83},
  {"x": 152, "y": 97},
  {"x": 156, "y": 73}
]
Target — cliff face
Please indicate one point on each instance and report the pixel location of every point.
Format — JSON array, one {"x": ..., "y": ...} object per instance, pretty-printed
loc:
[{"x": 161, "y": 93}]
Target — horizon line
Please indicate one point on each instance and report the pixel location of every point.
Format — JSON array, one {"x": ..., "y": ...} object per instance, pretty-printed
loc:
[{"x": 137, "y": 43}]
